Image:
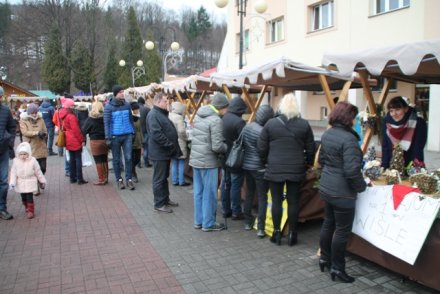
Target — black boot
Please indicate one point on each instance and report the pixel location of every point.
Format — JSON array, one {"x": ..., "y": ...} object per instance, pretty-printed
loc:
[
  {"x": 292, "y": 238},
  {"x": 276, "y": 237},
  {"x": 342, "y": 275},
  {"x": 324, "y": 264}
]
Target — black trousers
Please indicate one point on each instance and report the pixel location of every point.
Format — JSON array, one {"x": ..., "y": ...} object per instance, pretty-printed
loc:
[
  {"x": 292, "y": 195},
  {"x": 335, "y": 231},
  {"x": 42, "y": 163},
  {"x": 135, "y": 159},
  {"x": 255, "y": 181},
  {"x": 27, "y": 197},
  {"x": 161, "y": 192},
  {"x": 76, "y": 165}
]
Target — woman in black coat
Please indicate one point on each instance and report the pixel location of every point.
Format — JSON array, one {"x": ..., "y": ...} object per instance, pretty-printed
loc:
[
  {"x": 341, "y": 180},
  {"x": 287, "y": 145}
]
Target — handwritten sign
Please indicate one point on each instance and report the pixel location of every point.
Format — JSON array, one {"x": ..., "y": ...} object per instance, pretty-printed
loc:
[{"x": 400, "y": 232}]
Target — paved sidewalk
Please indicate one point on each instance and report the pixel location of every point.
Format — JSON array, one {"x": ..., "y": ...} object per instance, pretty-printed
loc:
[{"x": 90, "y": 239}]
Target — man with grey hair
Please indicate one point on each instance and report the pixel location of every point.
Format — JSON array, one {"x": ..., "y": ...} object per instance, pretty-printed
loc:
[
  {"x": 162, "y": 147},
  {"x": 7, "y": 138}
]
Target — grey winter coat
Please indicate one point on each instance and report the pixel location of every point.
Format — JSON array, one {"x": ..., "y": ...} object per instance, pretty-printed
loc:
[
  {"x": 341, "y": 161},
  {"x": 251, "y": 133},
  {"x": 207, "y": 139},
  {"x": 177, "y": 117}
]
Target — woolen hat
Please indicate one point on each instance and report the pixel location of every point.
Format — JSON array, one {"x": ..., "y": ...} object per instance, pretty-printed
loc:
[
  {"x": 116, "y": 89},
  {"x": 141, "y": 100},
  {"x": 1, "y": 91},
  {"x": 67, "y": 103},
  {"x": 32, "y": 108},
  {"x": 220, "y": 101}
]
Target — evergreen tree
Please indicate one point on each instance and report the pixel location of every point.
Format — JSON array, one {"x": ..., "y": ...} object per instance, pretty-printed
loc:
[
  {"x": 54, "y": 70},
  {"x": 204, "y": 25},
  {"x": 111, "y": 69},
  {"x": 131, "y": 50},
  {"x": 153, "y": 64},
  {"x": 82, "y": 67},
  {"x": 5, "y": 19}
]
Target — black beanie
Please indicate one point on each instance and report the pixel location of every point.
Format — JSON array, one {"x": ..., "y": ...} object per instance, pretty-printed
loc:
[{"x": 116, "y": 89}]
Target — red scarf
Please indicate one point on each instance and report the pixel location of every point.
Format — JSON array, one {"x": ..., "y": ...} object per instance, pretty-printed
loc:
[{"x": 402, "y": 132}]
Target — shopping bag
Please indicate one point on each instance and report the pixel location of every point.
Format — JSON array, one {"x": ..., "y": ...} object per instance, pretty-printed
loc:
[
  {"x": 235, "y": 157},
  {"x": 86, "y": 158}
]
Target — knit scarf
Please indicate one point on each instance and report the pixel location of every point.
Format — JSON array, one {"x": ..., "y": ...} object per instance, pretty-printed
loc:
[{"x": 402, "y": 132}]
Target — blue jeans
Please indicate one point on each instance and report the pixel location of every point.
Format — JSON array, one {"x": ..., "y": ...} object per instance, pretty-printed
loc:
[
  {"x": 231, "y": 192},
  {"x": 76, "y": 165},
  {"x": 4, "y": 170},
  {"x": 124, "y": 142},
  {"x": 178, "y": 171},
  {"x": 145, "y": 146},
  {"x": 205, "y": 196},
  {"x": 50, "y": 135}
]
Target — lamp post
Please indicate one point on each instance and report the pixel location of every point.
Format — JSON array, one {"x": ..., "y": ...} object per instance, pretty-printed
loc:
[
  {"x": 173, "y": 55},
  {"x": 3, "y": 73},
  {"x": 138, "y": 70},
  {"x": 260, "y": 7}
]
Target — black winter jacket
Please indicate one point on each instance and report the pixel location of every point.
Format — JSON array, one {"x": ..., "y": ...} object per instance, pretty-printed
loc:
[
  {"x": 341, "y": 161},
  {"x": 94, "y": 127},
  {"x": 143, "y": 111},
  {"x": 251, "y": 133},
  {"x": 7, "y": 129},
  {"x": 233, "y": 123},
  {"x": 163, "y": 141},
  {"x": 288, "y": 148}
]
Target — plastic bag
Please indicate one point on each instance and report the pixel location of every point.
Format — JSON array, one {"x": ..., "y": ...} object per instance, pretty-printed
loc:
[{"x": 86, "y": 158}]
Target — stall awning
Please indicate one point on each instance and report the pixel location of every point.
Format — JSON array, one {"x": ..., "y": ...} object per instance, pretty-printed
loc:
[
  {"x": 281, "y": 72},
  {"x": 416, "y": 62}
]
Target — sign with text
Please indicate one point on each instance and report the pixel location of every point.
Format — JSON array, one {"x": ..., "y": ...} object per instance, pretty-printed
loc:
[{"x": 400, "y": 232}]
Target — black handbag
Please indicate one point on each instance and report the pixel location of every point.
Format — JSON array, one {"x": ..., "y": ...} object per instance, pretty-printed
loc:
[{"x": 236, "y": 156}]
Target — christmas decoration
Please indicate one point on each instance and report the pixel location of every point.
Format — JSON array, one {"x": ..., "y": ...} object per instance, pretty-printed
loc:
[
  {"x": 426, "y": 183},
  {"x": 372, "y": 169},
  {"x": 415, "y": 167},
  {"x": 397, "y": 160},
  {"x": 371, "y": 154},
  {"x": 392, "y": 176}
]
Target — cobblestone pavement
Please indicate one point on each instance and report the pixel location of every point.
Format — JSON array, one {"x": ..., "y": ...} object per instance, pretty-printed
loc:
[{"x": 90, "y": 239}]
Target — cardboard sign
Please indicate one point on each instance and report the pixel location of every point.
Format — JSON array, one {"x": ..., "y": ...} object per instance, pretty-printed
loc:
[{"x": 399, "y": 232}]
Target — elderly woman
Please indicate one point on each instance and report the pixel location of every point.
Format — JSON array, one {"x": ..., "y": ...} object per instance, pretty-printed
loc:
[
  {"x": 403, "y": 127},
  {"x": 287, "y": 144},
  {"x": 74, "y": 140},
  {"x": 341, "y": 180},
  {"x": 94, "y": 127}
]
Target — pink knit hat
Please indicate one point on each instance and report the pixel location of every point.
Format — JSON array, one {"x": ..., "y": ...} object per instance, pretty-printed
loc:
[{"x": 67, "y": 103}]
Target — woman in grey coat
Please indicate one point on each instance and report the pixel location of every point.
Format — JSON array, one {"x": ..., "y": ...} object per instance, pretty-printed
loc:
[{"x": 341, "y": 180}]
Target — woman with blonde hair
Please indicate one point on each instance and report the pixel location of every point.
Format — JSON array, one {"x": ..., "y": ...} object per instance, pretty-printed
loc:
[
  {"x": 287, "y": 146},
  {"x": 94, "y": 127}
]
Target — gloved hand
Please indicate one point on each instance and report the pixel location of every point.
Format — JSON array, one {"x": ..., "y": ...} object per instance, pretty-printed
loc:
[
  {"x": 109, "y": 143},
  {"x": 11, "y": 187},
  {"x": 11, "y": 153},
  {"x": 42, "y": 186},
  {"x": 41, "y": 134}
]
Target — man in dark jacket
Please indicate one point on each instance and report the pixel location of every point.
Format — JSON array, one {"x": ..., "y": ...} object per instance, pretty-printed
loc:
[
  {"x": 7, "y": 138},
  {"x": 47, "y": 111},
  {"x": 119, "y": 132},
  {"x": 143, "y": 110},
  {"x": 232, "y": 179},
  {"x": 162, "y": 146}
]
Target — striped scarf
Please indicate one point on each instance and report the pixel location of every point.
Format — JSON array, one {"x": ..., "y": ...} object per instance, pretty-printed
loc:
[{"x": 402, "y": 132}]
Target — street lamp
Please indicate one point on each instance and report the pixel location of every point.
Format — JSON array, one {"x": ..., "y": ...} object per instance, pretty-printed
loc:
[
  {"x": 3, "y": 73},
  {"x": 260, "y": 7},
  {"x": 138, "y": 70},
  {"x": 173, "y": 55}
]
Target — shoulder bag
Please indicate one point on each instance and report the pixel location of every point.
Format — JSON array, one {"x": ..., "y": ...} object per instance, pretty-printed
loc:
[
  {"x": 61, "y": 139},
  {"x": 235, "y": 157}
]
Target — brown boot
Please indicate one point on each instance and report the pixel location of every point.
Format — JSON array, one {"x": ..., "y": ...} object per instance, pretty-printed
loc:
[
  {"x": 30, "y": 211},
  {"x": 105, "y": 165},
  {"x": 100, "y": 169}
]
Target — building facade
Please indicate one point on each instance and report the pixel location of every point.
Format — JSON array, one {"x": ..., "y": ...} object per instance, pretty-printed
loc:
[{"x": 304, "y": 30}]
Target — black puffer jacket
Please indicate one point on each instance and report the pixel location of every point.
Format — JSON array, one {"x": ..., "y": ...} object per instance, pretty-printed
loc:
[
  {"x": 7, "y": 129},
  {"x": 233, "y": 123},
  {"x": 288, "y": 148},
  {"x": 341, "y": 161},
  {"x": 251, "y": 133}
]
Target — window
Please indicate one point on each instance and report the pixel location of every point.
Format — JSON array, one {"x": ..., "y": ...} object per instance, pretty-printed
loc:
[
  {"x": 276, "y": 30},
  {"x": 322, "y": 16},
  {"x": 383, "y": 6},
  {"x": 246, "y": 41}
]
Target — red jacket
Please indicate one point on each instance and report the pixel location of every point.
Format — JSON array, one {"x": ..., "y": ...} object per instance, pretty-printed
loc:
[{"x": 74, "y": 137}]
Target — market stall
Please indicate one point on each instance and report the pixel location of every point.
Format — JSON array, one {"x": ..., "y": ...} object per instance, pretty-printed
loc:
[{"x": 400, "y": 232}]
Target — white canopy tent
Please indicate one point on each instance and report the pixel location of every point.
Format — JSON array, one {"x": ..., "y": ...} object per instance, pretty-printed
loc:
[{"x": 416, "y": 62}]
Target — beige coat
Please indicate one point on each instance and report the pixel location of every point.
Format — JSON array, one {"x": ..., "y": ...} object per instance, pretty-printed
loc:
[
  {"x": 29, "y": 128},
  {"x": 176, "y": 116},
  {"x": 25, "y": 174}
]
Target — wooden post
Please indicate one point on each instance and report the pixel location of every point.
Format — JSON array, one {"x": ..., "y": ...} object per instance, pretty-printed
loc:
[
  {"x": 371, "y": 106},
  {"x": 247, "y": 99},
  {"x": 344, "y": 92},
  {"x": 199, "y": 103},
  {"x": 326, "y": 89},
  {"x": 227, "y": 92},
  {"x": 257, "y": 104}
]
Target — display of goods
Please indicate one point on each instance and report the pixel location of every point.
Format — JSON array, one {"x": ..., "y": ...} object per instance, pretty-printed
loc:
[
  {"x": 372, "y": 169},
  {"x": 416, "y": 167},
  {"x": 371, "y": 154},
  {"x": 397, "y": 160},
  {"x": 427, "y": 184},
  {"x": 437, "y": 173},
  {"x": 392, "y": 177}
]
